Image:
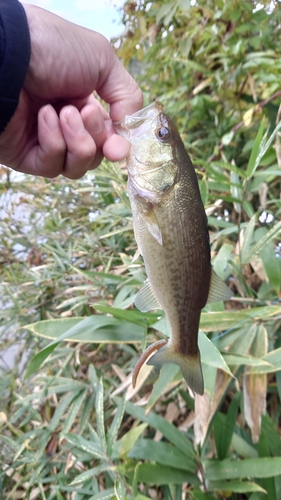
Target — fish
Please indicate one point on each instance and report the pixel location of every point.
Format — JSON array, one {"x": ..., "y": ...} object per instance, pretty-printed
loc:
[{"x": 171, "y": 232}]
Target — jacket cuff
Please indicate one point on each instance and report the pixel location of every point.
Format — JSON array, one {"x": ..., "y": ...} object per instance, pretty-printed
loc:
[{"x": 15, "y": 49}]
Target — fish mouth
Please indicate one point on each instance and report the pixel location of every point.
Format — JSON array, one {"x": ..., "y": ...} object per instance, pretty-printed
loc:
[{"x": 130, "y": 122}]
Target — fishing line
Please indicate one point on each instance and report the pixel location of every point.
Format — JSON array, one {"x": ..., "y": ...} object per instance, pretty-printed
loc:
[{"x": 244, "y": 321}]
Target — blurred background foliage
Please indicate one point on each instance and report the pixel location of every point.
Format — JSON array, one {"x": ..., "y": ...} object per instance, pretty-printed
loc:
[{"x": 75, "y": 428}]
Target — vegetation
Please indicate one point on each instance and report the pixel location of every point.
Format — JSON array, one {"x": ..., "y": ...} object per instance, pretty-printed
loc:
[{"x": 74, "y": 428}]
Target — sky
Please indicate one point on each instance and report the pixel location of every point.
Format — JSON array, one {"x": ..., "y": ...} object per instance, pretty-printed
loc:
[{"x": 99, "y": 15}]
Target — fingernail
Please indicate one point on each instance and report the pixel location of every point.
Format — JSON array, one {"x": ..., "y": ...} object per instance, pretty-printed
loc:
[
  {"x": 50, "y": 117},
  {"x": 73, "y": 121}
]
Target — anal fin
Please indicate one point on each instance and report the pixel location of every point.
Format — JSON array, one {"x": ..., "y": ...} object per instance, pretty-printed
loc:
[{"x": 145, "y": 300}]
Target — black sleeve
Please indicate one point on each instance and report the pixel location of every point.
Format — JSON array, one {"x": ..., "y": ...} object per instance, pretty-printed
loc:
[{"x": 14, "y": 57}]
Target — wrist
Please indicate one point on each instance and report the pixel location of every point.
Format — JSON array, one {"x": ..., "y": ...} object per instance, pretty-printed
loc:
[{"x": 15, "y": 56}]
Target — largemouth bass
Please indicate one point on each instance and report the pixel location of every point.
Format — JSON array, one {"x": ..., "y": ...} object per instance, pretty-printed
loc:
[{"x": 172, "y": 236}]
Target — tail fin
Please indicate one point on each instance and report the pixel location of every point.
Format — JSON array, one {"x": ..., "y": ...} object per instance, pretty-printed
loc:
[{"x": 190, "y": 366}]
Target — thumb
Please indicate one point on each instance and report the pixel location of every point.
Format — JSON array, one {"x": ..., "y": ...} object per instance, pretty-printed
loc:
[{"x": 118, "y": 88}]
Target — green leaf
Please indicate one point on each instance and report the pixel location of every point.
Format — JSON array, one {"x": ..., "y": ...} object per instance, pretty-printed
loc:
[
  {"x": 160, "y": 474},
  {"x": 242, "y": 447},
  {"x": 204, "y": 191},
  {"x": 74, "y": 410},
  {"x": 97, "y": 329},
  {"x": 119, "y": 489},
  {"x": 62, "y": 408},
  {"x": 256, "y": 249},
  {"x": 224, "y": 427},
  {"x": 234, "y": 486},
  {"x": 224, "y": 320},
  {"x": 134, "y": 316},
  {"x": 115, "y": 425},
  {"x": 248, "y": 240},
  {"x": 274, "y": 360},
  {"x": 221, "y": 260},
  {"x": 216, "y": 470},
  {"x": 266, "y": 145},
  {"x": 239, "y": 359},
  {"x": 169, "y": 431},
  {"x": 100, "y": 415},
  {"x": 236, "y": 190},
  {"x": 243, "y": 342},
  {"x": 106, "y": 494},
  {"x": 255, "y": 153},
  {"x": 210, "y": 355},
  {"x": 123, "y": 446},
  {"x": 162, "y": 453},
  {"x": 83, "y": 444},
  {"x": 271, "y": 265},
  {"x": 91, "y": 473},
  {"x": 167, "y": 373}
]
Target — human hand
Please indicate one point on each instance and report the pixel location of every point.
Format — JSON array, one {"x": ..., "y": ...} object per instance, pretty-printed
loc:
[{"x": 59, "y": 127}]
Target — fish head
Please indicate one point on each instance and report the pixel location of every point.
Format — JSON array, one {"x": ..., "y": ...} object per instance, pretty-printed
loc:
[{"x": 152, "y": 168}]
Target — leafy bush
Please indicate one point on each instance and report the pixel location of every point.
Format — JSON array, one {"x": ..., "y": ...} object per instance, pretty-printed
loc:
[{"x": 75, "y": 428}]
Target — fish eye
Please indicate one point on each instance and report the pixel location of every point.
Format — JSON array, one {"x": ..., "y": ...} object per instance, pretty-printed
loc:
[{"x": 163, "y": 133}]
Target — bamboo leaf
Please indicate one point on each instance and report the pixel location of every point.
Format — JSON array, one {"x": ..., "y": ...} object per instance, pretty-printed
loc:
[
  {"x": 62, "y": 408},
  {"x": 236, "y": 190},
  {"x": 216, "y": 470},
  {"x": 74, "y": 410},
  {"x": 248, "y": 240},
  {"x": 83, "y": 444},
  {"x": 256, "y": 151},
  {"x": 156, "y": 474},
  {"x": 97, "y": 329},
  {"x": 271, "y": 265},
  {"x": 106, "y": 494},
  {"x": 225, "y": 432},
  {"x": 167, "y": 374},
  {"x": 210, "y": 355},
  {"x": 224, "y": 320},
  {"x": 256, "y": 249},
  {"x": 168, "y": 430},
  {"x": 274, "y": 360},
  {"x": 239, "y": 359},
  {"x": 100, "y": 415},
  {"x": 123, "y": 446},
  {"x": 162, "y": 453},
  {"x": 115, "y": 424},
  {"x": 119, "y": 489},
  {"x": 235, "y": 486},
  {"x": 91, "y": 473}
]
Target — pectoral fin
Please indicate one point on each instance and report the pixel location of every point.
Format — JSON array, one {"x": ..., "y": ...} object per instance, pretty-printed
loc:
[
  {"x": 218, "y": 289},
  {"x": 152, "y": 225},
  {"x": 145, "y": 300}
]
